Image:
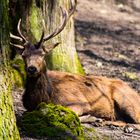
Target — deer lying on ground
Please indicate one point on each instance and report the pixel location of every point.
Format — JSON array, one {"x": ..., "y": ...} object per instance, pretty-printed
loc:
[{"x": 107, "y": 98}]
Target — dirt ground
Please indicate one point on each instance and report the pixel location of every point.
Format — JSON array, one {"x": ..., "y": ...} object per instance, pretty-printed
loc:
[
  {"x": 108, "y": 40},
  {"x": 108, "y": 44}
]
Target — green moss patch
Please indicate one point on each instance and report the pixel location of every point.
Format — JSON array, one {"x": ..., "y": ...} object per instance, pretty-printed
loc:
[
  {"x": 19, "y": 74},
  {"x": 52, "y": 121}
]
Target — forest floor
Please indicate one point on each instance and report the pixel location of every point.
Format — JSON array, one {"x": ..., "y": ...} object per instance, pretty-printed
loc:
[{"x": 108, "y": 44}]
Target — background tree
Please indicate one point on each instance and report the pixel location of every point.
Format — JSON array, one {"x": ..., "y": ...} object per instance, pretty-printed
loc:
[
  {"x": 8, "y": 129},
  {"x": 62, "y": 58}
]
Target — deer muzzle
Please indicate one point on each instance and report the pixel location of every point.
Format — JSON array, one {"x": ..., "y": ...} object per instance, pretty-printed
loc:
[
  {"x": 31, "y": 70},
  {"x": 34, "y": 66}
]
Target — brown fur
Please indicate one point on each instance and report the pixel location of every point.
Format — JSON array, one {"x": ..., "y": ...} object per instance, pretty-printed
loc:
[
  {"x": 111, "y": 99},
  {"x": 107, "y": 98}
]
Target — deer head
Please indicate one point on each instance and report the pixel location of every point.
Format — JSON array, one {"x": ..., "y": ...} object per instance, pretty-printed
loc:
[{"x": 33, "y": 54}]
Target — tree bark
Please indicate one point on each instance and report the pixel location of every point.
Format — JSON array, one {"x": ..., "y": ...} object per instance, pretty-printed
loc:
[
  {"x": 8, "y": 129},
  {"x": 64, "y": 57}
]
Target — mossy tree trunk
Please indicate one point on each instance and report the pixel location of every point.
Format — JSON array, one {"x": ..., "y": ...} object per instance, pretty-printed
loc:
[
  {"x": 64, "y": 57},
  {"x": 8, "y": 129}
]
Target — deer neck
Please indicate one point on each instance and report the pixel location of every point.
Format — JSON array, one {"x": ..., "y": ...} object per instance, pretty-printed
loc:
[{"x": 39, "y": 85}]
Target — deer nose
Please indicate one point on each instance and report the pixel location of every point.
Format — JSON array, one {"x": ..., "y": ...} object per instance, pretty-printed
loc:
[{"x": 31, "y": 70}]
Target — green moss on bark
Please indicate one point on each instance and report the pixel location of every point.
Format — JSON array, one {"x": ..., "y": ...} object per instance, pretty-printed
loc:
[
  {"x": 19, "y": 73},
  {"x": 53, "y": 121},
  {"x": 64, "y": 57},
  {"x": 63, "y": 62},
  {"x": 8, "y": 129},
  {"x": 34, "y": 19}
]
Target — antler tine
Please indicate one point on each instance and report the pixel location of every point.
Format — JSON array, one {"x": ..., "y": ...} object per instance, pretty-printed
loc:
[
  {"x": 60, "y": 28},
  {"x": 16, "y": 37},
  {"x": 72, "y": 7},
  {"x": 19, "y": 31},
  {"x": 65, "y": 17},
  {"x": 17, "y": 46}
]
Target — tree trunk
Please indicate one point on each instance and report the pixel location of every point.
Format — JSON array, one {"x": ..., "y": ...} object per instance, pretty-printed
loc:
[
  {"x": 8, "y": 129},
  {"x": 64, "y": 57}
]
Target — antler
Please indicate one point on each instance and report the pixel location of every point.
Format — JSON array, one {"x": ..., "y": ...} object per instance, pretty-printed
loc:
[
  {"x": 65, "y": 18},
  {"x": 16, "y": 37},
  {"x": 41, "y": 41},
  {"x": 20, "y": 38},
  {"x": 72, "y": 8},
  {"x": 19, "y": 31},
  {"x": 16, "y": 45}
]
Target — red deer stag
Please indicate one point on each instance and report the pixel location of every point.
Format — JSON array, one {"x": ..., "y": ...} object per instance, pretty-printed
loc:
[{"x": 102, "y": 97}]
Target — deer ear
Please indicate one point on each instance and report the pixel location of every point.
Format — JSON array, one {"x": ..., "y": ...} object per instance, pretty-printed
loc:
[{"x": 49, "y": 48}]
